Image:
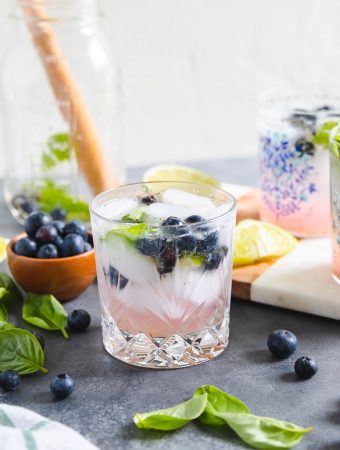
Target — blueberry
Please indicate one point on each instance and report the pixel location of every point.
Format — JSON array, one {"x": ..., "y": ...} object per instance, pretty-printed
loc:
[
  {"x": 302, "y": 119},
  {"x": 75, "y": 227},
  {"x": 207, "y": 241},
  {"x": 40, "y": 338},
  {"x": 25, "y": 247},
  {"x": 148, "y": 199},
  {"x": 78, "y": 320},
  {"x": 324, "y": 108},
  {"x": 9, "y": 380},
  {"x": 194, "y": 219},
  {"x": 62, "y": 386},
  {"x": 47, "y": 251},
  {"x": 59, "y": 226},
  {"x": 87, "y": 247},
  {"x": 167, "y": 260},
  {"x": 213, "y": 260},
  {"x": 304, "y": 147},
  {"x": 282, "y": 343},
  {"x": 58, "y": 214},
  {"x": 185, "y": 240},
  {"x": 73, "y": 244},
  {"x": 305, "y": 367},
  {"x": 172, "y": 222},
  {"x": 117, "y": 279},
  {"x": 35, "y": 221},
  {"x": 23, "y": 203},
  {"x": 47, "y": 234},
  {"x": 58, "y": 242},
  {"x": 152, "y": 246}
]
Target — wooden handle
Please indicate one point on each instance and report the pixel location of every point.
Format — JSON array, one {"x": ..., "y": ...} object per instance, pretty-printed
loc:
[{"x": 70, "y": 100}]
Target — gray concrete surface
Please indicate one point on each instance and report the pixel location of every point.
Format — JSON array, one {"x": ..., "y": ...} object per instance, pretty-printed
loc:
[{"x": 108, "y": 393}]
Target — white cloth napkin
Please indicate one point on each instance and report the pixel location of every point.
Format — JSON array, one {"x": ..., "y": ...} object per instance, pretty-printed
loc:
[{"x": 22, "y": 429}]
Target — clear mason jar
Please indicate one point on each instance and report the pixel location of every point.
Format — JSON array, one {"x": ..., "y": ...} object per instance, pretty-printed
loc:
[
  {"x": 60, "y": 109},
  {"x": 335, "y": 200},
  {"x": 164, "y": 269},
  {"x": 294, "y": 129}
]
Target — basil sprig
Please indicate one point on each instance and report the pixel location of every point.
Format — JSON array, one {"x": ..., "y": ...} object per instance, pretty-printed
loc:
[
  {"x": 46, "y": 312},
  {"x": 3, "y": 313},
  {"x": 20, "y": 350},
  {"x": 215, "y": 407}
]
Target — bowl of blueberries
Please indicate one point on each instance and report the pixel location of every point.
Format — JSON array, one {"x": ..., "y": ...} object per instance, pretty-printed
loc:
[{"x": 52, "y": 256}]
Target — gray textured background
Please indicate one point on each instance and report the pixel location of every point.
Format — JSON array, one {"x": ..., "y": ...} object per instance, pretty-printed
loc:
[{"x": 108, "y": 393}]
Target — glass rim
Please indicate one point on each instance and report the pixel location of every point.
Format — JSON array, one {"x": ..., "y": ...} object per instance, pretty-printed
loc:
[
  {"x": 230, "y": 210},
  {"x": 296, "y": 91}
]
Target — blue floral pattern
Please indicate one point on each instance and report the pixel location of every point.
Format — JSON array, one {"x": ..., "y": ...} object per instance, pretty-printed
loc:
[{"x": 286, "y": 175}]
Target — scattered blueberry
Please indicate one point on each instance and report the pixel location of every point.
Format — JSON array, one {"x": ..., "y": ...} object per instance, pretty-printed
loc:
[
  {"x": 87, "y": 247},
  {"x": 185, "y": 240},
  {"x": 148, "y": 199},
  {"x": 167, "y": 260},
  {"x": 35, "y": 221},
  {"x": 40, "y": 338},
  {"x": 58, "y": 214},
  {"x": 59, "y": 226},
  {"x": 305, "y": 367},
  {"x": 25, "y": 247},
  {"x": 304, "y": 147},
  {"x": 9, "y": 380},
  {"x": 46, "y": 234},
  {"x": 75, "y": 227},
  {"x": 62, "y": 386},
  {"x": 194, "y": 219},
  {"x": 73, "y": 244},
  {"x": 47, "y": 251},
  {"x": 117, "y": 279},
  {"x": 207, "y": 241},
  {"x": 78, "y": 320},
  {"x": 282, "y": 343},
  {"x": 152, "y": 246},
  {"x": 213, "y": 260}
]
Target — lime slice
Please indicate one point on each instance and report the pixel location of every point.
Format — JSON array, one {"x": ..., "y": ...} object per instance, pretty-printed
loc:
[
  {"x": 258, "y": 241},
  {"x": 178, "y": 173},
  {"x": 3, "y": 243}
]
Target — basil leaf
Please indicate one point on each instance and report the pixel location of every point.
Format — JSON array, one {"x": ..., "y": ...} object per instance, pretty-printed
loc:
[
  {"x": 9, "y": 291},
  {"x": 5, "y": 325},
  {"x": 265, "y": 433},
  {"x": 58, "y": 149},
  {"x": 46, "y": 312},
  {"x": 3, "y": 313},
  {"x": 20, "y": 350},
  {"x": 135, "y": 216},
  {"x": 172, "y": 418},
  {"x": 219, "y": 401}
]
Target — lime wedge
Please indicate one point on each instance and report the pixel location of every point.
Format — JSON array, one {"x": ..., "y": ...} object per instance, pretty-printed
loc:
[
  {"x": 178, "y": 173},
  {"x": 3, "y": 243},
  {"x": 258, "y": 241}
]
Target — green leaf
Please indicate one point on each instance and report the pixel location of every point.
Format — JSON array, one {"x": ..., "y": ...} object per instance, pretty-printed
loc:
[
  {"x": 3, "y": 313},
  {"x": 321, "y": 136},
  {"x": 130, "y": 232},
  {"x": 5, "y": 325},
  {"x": 264, "y": 433},
  {"x": 58, "y": 149},
  {"x": 172, "y": 418},
  {"x": 20, "y": 350},
  {"x": 219, "y": 401},
  {"x": 44, "y": 311},
  {"x": 135, "y": 216},
  {"x": 9, "y": 291}
]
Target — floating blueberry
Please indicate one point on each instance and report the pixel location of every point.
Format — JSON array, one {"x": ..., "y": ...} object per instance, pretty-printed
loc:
[
  {"x": 47, "y": 251},
  {"x": 214, "y": 260},
  {"x": 59, "y": 226},
  {"x": 152, "y": 246},
  {"x": 40, "y": 338},
  {"x": 58, "y": 214},
  {"x": 73, "y": 244},
  {"x": 282, "y": 343},
  {"x": 75, "y": 227},
  {"x": 35, "y": 221},
  {"x": 185, "y": 240},
  {"x": 62, "y": 386},
  {"x": 194, "y": 219},
  {"x": 148, "y": 199},
  {"x": 9, "y": 380},
  {"x": 87, "y": 247},
  {"x": 324, "y": 108},
  {"x": 305, "y": 367},
  {"x": 167, "y": 259},
  {"x": 171, "y": 223},
  {"x": 304, "y": 147},
  {"x": 117, "y": 279},
  {"x": 207, "y": 241},
  {"x": 25, "y": 247},
  {"x": 46, "y": 234},
  {"x": 78, "y": 320},
  {"x": 302, "y": 119}
]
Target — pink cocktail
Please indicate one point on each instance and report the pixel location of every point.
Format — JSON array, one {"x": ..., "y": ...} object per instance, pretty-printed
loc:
[
  {"x": 335, "y": 201},
  {"x": 164, "y": 261}
]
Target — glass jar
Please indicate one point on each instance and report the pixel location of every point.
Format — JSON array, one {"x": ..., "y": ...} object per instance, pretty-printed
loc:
[
  {"x": 61, "y": 110},
  {"x": 294, "y": 129},
  {"x": 335, "y": 201}
]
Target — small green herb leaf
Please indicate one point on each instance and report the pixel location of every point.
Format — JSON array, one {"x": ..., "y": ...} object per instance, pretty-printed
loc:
[
  {"x": 46, "y": 312},
  {"x": 321, "y": 136},
  {"x": 20, "y": 350},
  {"x": 58, "y": 149},
  {"x": 172, "y": 418},
  {"x": 135, "y": 216},
  {"x": 8, "y": 289},
  {"x": 3, "y": 313},
  {"x": 5, "y": 325}
]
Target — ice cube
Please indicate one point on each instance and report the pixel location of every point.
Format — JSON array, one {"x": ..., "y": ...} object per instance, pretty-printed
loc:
[
  {"x": 115, "y": 209},
  {"x": 183, "y": 198},
  {"x": 217, "y": 211},
  {"x": 157, "y": 212}
]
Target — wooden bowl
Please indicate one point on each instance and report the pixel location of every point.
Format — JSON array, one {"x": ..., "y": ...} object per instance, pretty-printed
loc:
[{"x": 65, "y": 278}]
